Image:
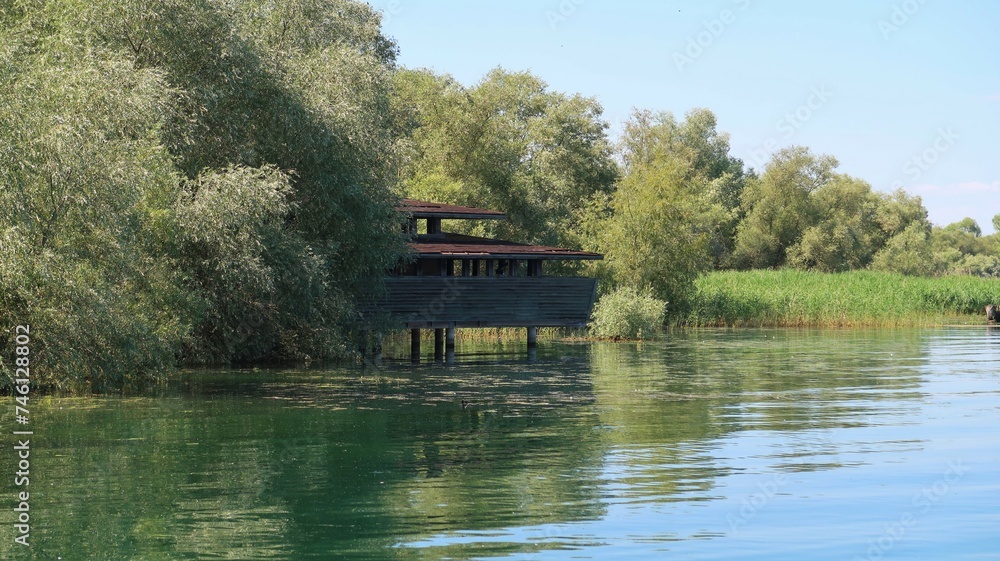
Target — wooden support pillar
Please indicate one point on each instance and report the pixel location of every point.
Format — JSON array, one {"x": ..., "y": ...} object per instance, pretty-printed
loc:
[
  {"x": 532, "y": 337},
  {"x": 415, "y": 346},
  {"x": 477, "y": 268},
  {"x": 449, "y": 267},
  {"x": 491, "y": 267},
  {"x": 450, "y": 339},
  {"x": 466, "y": 267},
  {"x": 438, "y": 345},
  {"x": 514, "y": 263},
  {"x": 377, "y": 350}
]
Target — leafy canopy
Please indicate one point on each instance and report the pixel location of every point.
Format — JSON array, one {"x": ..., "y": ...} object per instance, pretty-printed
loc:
[{"x": 197, "y": 180}]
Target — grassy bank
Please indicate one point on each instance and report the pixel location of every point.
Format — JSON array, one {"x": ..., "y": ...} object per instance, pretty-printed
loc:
[{"x": 856, "y": 299}]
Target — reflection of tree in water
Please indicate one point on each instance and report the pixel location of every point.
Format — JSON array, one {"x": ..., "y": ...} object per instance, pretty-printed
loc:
[
  {"x": 150, "y": 479},
  {"x": 524, "y": 454},
  {"x": 666, "y": 405},
  {"x": 278, "y": 465}
]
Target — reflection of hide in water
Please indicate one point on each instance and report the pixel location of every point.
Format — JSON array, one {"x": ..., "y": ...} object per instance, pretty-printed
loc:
[
  {"x": 517, "y": 455},
  {"x": 303, "y": 463}
]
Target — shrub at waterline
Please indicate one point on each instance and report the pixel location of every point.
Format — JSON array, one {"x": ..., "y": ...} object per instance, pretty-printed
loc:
[
  {"x": 627, "y": 313},
  {"x": 860, "y": 298}
]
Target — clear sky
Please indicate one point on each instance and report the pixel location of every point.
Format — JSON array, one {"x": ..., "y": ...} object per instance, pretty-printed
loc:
[{"x": 904, "y": 93}]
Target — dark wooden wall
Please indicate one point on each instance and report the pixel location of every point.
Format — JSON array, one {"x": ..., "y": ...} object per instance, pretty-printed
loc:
[{"x": 439, "y": 302}]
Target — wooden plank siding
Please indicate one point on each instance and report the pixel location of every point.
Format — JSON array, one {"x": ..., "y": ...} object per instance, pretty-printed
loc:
[{"x": 441, "y": 302}]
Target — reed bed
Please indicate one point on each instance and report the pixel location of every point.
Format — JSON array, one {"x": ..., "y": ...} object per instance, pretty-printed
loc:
[{"x": 791, "y": 298}]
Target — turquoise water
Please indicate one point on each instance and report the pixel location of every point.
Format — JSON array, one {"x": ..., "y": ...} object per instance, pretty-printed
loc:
[{"x": 758, "y": 444}]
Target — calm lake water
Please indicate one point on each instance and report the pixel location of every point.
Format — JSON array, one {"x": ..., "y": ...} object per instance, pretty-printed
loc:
[{"x": 757, "y": 444}]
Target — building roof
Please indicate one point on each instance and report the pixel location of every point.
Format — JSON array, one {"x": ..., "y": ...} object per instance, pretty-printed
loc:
[
  {"x": 424, "y": 209},
  {"x": 459, "y": 246}
]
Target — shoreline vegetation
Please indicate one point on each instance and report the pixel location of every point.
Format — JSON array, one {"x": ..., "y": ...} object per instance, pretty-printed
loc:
[
  {"x": 214, "y": 183},
  {"x": 790, "y": 298},
  {"x": 793, "y": 298}
]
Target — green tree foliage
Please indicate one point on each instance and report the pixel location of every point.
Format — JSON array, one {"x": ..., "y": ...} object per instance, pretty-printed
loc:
[
  {"x": 214, "y": 181},
  {"x": 961, "y": 249},
  {"x": 199, "y": 180},
  {"x": 716, "y": 177},
  {"x": 908, "y": 252},
  {"x": 779, "y": 207},
  {"x": 507, "y": 143},
  {"x": 657, "y": 229},
  {"x": 302, "y": 85},
  {"x": 846, "y": 233},
  {"x": 802, "y": 213},
  {"x": 261, "y": 286},
  {"x": 656, "y": 233},
  {"x": 898, "y": 211},
  {"x": 83, "y": 178}
]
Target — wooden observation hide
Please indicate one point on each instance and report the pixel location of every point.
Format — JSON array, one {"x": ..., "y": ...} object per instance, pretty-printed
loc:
[{"x": 459, "y": 281}]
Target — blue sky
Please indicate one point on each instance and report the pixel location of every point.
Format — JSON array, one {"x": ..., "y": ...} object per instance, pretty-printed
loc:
[{"x": 905, "y": 93}]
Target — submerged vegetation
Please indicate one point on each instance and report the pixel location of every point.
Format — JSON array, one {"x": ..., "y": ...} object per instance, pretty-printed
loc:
[{"x": 214, "y": 181}]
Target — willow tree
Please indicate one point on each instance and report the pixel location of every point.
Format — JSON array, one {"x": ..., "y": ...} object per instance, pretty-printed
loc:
[
  {"x": 658, "y": 229},
  {"x": 196, "y": 180},
  {"x": 711, "y": 173},
  {"x": 83, "y": 179},
  {"x": 508, "y": 143},
  {"x": 960, "y": 248},
  {"x": 778, "y": 206}
]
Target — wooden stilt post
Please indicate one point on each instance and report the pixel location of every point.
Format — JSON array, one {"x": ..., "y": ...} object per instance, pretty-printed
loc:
[
  {"x": 377, "y": 350},
  {"x": 415, "y": 345},
  {"x": 532, "y": 337},
  {"x": 449, "y": 345},
  {"x": 438, "y": 345}
]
